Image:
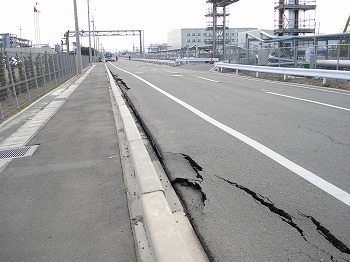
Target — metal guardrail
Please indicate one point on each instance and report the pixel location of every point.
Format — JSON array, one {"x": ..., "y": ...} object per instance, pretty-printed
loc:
[
  {"x": 321, "y": 73},
  {"x": 156, "y": 61},
  {"x": 177, "y": 61},
  {"x": 25, "y": 77},
  {"x": 194, "y": 59}
]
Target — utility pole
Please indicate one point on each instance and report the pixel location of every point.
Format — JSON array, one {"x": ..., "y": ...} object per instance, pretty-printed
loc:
[
  {"x": 77, "y": 37},
  {"x": 93, "y": 36},
  {"x": 90, "y": 55}
]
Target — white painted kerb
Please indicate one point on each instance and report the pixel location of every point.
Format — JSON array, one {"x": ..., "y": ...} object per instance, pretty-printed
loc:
[{"x": 167, "y": 243}]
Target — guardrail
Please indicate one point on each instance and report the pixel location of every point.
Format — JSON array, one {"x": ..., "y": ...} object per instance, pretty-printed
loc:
[
  {"x": 156, "y": 61},
  {"x": 322, "y": 73},
  {"x": 194, "y": 59},
  {"x": 177, "y": 61}
]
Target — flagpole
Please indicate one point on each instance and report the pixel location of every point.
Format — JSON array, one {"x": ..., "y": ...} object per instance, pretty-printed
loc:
[
  {"x": 35, "y": 34},
  {"x": 36, "y": 25},
  {"x": 39, "y": 40}
]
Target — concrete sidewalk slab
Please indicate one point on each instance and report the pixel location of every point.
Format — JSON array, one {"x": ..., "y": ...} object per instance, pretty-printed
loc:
[{"x": 67, "y": 202}]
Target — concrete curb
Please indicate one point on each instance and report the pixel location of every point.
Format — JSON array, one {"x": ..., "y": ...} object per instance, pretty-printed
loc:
[{"x": 164, "y": 235}]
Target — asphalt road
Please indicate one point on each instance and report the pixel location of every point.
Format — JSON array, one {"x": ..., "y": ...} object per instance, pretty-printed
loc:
[{"x": 239, "y": 152}]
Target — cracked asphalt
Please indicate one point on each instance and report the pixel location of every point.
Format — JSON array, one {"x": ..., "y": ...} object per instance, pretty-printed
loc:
[{"x": 243, "y": 205}]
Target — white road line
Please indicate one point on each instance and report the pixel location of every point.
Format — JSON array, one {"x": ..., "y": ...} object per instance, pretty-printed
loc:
[
  {"x": 306, "y": 86},
  {"x": 176, "y": 75},
  {"x": 300, "y": 171},
  {"x": 310, "y": 101},
  {"x": 207, "y": 79}
]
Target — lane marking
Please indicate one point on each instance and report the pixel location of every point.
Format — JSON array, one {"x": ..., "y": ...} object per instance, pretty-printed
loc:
[
  {"x": 207, "y": 79},
  {"x": 298, "y": 170},
  {"x": 307, "y": 100},
  {"x": 304, "y": 86},
  {"x": 177, "y": 75}
]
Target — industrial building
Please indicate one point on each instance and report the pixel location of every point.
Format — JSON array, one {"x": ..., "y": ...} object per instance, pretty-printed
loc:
[
  {"x": 8, "y": 40},
  {"x": 181, "y": 38}
]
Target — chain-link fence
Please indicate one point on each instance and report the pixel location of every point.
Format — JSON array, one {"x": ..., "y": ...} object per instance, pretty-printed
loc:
[{"x": 24, "y": 77}]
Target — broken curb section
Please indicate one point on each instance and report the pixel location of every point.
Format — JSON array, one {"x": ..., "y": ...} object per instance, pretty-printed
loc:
[{"x": 170, "y": 237}]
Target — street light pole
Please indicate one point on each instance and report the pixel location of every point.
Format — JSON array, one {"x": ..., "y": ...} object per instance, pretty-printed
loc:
[
  {"x": 90, "y": 55},
  {"x": 77, "y": 37}
]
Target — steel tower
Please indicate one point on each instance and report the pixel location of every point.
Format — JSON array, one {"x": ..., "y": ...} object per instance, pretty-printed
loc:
[
  {"x": 216, "y": 27},
  {"x": 347, "y": 26},
  {"x": 295, "y": 17}
]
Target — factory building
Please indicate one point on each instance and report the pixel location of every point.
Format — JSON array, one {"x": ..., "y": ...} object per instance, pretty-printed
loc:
[
  {"x": 12, "y": 41},
  {"x": 180, "y": 38}
]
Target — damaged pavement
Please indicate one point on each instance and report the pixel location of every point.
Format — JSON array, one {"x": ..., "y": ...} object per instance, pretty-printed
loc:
[{"x": 235, "y": 218}]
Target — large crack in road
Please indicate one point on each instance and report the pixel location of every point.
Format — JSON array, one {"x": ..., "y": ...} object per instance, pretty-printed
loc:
[{"x": 286, "y": 217}]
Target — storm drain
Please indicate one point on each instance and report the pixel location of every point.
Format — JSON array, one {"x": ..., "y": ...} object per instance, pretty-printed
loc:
[{"x": 17, "y": 152}]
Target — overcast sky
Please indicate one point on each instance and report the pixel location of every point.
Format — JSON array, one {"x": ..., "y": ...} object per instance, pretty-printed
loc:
[{"x": 155, "y": 17}]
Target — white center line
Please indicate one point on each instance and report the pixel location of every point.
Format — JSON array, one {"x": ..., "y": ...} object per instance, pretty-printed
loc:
[
  {"x": 298, "y": 170},
  {"x": 207, "y": 79},
  {"x": 310, "y": 101}
]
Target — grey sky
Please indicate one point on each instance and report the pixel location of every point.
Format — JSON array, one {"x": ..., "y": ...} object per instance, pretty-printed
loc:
[{"x": 156, "y": 17}]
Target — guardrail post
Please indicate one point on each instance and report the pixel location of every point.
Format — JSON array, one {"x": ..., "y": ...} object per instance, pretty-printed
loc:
[
  {"x": 256, "y": 74},
  {"x": 324, "y": 81},
  {"x": 284, "y": 77},
  {"x": 236, "y": 71}
]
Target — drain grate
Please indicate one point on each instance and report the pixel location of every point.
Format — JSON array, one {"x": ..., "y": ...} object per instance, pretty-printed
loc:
[{"x": 17, "y": 152}]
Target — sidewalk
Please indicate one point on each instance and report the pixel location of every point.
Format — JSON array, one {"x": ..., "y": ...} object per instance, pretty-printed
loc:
[{"x": 67, "y": 201}]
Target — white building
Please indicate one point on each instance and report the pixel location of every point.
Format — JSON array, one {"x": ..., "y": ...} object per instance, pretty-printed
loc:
[{"x": 179, "y": 38}]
